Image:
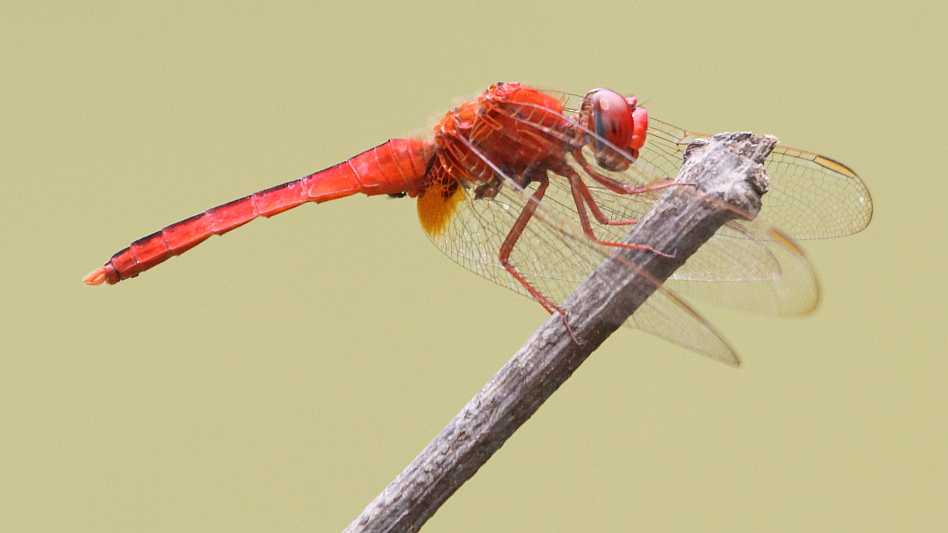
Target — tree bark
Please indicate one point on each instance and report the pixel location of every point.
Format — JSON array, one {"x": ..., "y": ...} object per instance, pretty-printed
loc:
[{"x": 727, "y": 169}]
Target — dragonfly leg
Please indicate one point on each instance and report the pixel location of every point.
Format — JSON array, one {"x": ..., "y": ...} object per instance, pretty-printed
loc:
[
  {"x": 594, "y": 208},
  {"x": 506, "y": 248},
  {"x": 577, "y": 186},
  {"x": 619, "y": 187}
]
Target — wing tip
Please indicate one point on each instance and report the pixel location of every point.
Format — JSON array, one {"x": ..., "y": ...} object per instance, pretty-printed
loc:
[
  {"x": 734, "y": 361},
  {"x": 845, "y": 170},
  {"x": 794, "y": 249},
  {"x": 728, "y": 356}
]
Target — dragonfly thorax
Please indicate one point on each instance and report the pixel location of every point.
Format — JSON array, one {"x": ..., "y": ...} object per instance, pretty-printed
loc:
[{"x": 510, "y": 130}]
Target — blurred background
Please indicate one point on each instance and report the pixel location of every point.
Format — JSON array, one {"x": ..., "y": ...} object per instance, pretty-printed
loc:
[{"x": 277, "y": 378}]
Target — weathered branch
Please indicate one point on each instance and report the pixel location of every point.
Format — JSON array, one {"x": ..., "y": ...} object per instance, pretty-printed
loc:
[{"x": 728, "y": 170}]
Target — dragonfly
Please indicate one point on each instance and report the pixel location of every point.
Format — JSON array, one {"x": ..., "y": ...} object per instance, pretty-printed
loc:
[{"x": 532, "y": 189}]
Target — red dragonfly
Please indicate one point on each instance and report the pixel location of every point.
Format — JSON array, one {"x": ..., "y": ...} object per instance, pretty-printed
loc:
[{"x": 507, "y": 182}]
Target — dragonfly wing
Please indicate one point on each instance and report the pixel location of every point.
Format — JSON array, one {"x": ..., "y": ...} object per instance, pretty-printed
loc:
[
  {"x": 814, "y": 197},
  {"x": 811, "y": 196},
  {"x": 554, "y": 257},
  {"x": 667, "y": 316},
  {"x": 773, "y": 275},
  {"x": 474, "y": 230},
  {"x": 747, "y": 264},
  {"x": 663, "y": 314}
]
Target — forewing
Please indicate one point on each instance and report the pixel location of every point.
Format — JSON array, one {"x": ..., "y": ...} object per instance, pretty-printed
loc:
[
  {"x": 811, "y": 196},
  {"x": 748, "y": 264}
]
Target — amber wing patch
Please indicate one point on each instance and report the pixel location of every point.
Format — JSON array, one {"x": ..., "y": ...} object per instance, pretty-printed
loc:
[{"x": 438, "y": 203}]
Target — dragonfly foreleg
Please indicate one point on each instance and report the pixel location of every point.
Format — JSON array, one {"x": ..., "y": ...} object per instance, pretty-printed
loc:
[
  {"x": 577, "y": 188},
  {"x": 619, "y": 187}
]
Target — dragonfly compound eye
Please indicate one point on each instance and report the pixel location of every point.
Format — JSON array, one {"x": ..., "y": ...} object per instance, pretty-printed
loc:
[{"x": 609, "y": 116}]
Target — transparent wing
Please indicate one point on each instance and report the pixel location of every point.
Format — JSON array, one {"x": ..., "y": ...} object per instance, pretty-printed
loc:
[
  {"x": 554, "y": 257},
  {"x": 811, "y": 196},
  {"x": 748, "y": 265}
]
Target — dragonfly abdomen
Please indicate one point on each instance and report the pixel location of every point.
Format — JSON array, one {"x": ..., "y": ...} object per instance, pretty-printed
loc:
[{"x": 396, "y": 166}]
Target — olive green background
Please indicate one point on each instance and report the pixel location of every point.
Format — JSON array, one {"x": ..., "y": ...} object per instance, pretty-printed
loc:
[{"x": 277, "y": 378}]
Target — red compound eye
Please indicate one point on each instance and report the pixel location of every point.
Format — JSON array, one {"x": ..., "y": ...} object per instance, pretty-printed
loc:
[
  {"x": 617, "y": 120},
  {"x": 610, "y": 117}
]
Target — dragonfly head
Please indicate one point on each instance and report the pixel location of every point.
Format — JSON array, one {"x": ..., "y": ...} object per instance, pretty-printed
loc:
[{"x": 618, "y": 124}]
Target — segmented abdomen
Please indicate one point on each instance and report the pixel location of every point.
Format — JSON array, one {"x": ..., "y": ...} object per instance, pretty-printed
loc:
[{"x": 396, "y": 166}]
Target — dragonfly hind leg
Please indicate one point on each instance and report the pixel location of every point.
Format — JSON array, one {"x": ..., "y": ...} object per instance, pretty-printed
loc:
[{"x": 507, "y": 248}]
